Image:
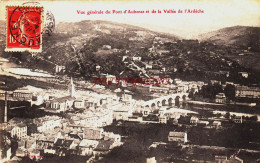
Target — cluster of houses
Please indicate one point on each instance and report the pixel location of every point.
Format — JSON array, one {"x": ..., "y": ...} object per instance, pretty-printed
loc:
[
  {"x": 245, "y": 91},
  {"x": 172, "y": 86},
  {"x": 84, "y": 141},
  {"x": 62, "y": 136},
  {"x": 241, "y": 91},
  {"x": 79, "y": 133}
]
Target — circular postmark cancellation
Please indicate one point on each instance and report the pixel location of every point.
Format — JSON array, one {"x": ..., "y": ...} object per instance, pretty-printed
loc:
[{"x": 25, "y": 25}]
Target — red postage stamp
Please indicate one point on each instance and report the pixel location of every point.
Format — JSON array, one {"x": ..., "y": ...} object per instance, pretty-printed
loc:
[{"x": 24, "y": 28}]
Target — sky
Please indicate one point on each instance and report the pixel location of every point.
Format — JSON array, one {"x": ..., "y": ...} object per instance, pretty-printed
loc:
[{"x": 217, "y": 13}]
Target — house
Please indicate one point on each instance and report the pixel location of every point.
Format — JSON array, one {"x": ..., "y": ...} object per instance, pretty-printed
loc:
[
  {"x": 249, "y": 92},
  {"x": 216, "y": 124},
  {"x": 59, "y": 68},
  {"x": 126, "y": 97},
  {"x": 106, "y": 47},
  {"x": 221, "y": 159},
  {"x": 163, "y": 119},
  {"x": 109, "y": 79},
  {"x": 137, "y": 58},
  {"x": 64, "y": 144},
  {"x": 173, "y": 114},
  {"x": 160, "y": 89},
  {"x": 93, "y": 133},
  {"x": 45, "y": 142},
  {"x": 104, "y": 146},
  {"x": 203, "y": 123},
  {"x": 68, "y": 144},
  {"x": 79, "y": 103},
  {"x": 122, "y": 113},
  {"x": 194, "y": 120},
  {"x": 238, "y": 119},
  {"x": 162, "y": 111},
  {"x": 220, "y": 98},
  {"x": 243, "y": 74},
  {"x": 87, "y": 146},
  {"x": 22, "y": 95},
  {"x": 177, "y": 81},
  {"x": 104, "y": 118},
  {"x": 147, "y": 66},
  {"x": 112, "y": 137},
  {"x": 146, "y": 111},
  {"x": 180, "y": 137},
  {"x": 18, "y": 130},
  {"x": 92, "y": 103},
  {"x": 47, "y": 123},
  {"x": 62, "y": 104}
]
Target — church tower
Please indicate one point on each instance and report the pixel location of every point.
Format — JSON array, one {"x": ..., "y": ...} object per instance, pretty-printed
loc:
[{"x": 72, "y": 88}]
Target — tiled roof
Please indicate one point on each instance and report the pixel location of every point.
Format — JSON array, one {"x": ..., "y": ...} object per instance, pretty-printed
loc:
[
  {"x": 67, "y": 143},
  {"x": 103, "y": 145},
  {"x": 176, "y": 134},
  {"x": 59, "y": 142},
  {"x": 63, "y": 99}
]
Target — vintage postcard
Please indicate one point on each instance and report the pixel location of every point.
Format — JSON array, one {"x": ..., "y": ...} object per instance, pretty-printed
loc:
[{"x": 130, "y": 81}]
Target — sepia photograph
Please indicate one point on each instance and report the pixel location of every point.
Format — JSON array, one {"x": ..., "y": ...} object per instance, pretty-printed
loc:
[{"x": 116, "y": 81}]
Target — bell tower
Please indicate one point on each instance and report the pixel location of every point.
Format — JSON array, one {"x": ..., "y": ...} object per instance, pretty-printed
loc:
[{"x": 72, "y": 88}]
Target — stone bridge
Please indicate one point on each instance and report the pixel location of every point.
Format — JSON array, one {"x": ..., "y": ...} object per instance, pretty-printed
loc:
[{"x": 168, "y": 100}]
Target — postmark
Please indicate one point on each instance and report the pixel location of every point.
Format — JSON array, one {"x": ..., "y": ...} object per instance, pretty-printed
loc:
[
  {"x": 49, "y": 23},
  {"x": 24, "y": 28},
  {"x": 49, "y": 20}
]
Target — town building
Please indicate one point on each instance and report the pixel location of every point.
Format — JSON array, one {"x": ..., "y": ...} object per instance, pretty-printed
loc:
[
  {"x": 59, "y": 68},
  {"x": 47, "y": 123},
  {"x": 194, "y": 120},
  {"x": 216, "y": 124},
  {"x": 137, "y": 58},
  {"x": 93, "y": 133},
  {"x": 79, "y": 103},
  {"x": 180, "y": 137},
  {"x": 18, "y": 130},
  {"x": 238, "y": 119},
  {"x": 22, "y": 95},
  {"x": 249, "y": 92},
  {"x": 122, "y": 113},
  {"x": 87, "y": 146},
  {"x": 243, "y": 74},
  {"x": 106, "y": 47},
  {"x": 220, "y": 98},
  {"x": 63, "y": 104}
]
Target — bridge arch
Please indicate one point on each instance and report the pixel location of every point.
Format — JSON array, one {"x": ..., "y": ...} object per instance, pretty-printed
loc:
[
  {"x": 158, "y": 103},
  {"x": 170, "y": 101},
  {"x": 164, "y": 102}
]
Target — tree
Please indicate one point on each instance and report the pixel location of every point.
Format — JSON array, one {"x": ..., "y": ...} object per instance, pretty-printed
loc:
[
  {"x": 227, "y": 115},
  {"x": 230, "y": 92},
  {"x": 177, "y": 101},
  {"x": 191, "y": 93}
]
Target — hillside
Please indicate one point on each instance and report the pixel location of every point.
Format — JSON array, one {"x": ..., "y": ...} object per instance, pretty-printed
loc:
[
  {"x": 81, "y": 46},
  {"x": 240, "y": 36}
]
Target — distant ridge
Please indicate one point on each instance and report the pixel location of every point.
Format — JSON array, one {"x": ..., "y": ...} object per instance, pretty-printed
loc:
[{"x": 241, "y": 36}]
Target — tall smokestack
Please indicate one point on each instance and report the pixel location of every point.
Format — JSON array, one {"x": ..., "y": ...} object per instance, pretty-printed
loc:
[{"x": 5, "y": 118}]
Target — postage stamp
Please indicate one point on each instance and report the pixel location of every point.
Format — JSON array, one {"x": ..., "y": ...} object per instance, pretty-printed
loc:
[{"x": 24, "y": 28}]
